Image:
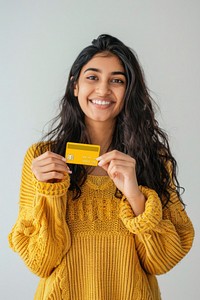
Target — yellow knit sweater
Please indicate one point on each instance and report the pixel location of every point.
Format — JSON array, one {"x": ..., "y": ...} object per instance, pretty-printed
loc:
[{"x": 94, "y": 248}]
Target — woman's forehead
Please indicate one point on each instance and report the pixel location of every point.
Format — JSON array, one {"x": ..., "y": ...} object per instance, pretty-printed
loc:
[{"x": 104, "y": 60}]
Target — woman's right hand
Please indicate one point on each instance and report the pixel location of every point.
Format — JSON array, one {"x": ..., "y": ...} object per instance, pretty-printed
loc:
[{"x": 50, "y": 167}]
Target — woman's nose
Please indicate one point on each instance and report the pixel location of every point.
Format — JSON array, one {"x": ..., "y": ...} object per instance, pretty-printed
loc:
[{"x": 103, "y": 89}]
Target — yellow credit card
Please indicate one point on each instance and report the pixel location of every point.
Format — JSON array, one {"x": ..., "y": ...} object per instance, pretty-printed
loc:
[{"x": 82, "y": 154}]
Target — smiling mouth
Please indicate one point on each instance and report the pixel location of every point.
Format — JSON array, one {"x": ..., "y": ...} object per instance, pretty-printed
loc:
[{"x": 101, "y": 102}]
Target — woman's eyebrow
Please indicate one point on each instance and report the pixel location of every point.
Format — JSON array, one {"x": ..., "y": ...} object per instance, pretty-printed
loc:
[
  {"x": 92, "y": 69},
  {"x": 118, "y": 73},
  {"x": 99, "y": 71}
]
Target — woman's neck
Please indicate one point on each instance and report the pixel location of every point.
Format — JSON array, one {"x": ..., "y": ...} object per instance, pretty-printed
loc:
[{"x": 101, "y": 134}]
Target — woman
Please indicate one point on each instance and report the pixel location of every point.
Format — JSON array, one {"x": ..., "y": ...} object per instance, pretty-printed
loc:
[{"x": 102, "y": 232}]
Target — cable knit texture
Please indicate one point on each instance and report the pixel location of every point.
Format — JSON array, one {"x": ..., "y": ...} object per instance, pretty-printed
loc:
[{"x": 95, "y": 248}]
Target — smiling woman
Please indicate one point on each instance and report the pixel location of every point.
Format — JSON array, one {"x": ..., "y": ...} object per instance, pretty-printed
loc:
[
  {"x": 102, "y": 232},
  {"x": 100, "y": 89}
]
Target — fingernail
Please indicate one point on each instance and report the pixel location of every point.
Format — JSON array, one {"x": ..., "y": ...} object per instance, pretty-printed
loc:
[
  {"x": 64, "y": 159},
  {"x": 99, "y": 158},
  {"x": 101, "y": 163}
]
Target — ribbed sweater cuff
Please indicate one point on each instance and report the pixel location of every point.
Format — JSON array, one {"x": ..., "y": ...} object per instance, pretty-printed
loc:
[
  {"x": 52, "y": 189},
  {"x": 148, "y": 219}
]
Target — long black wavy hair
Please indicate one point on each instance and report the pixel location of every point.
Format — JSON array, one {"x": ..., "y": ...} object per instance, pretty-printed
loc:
[{"x": 137, "y": 132}]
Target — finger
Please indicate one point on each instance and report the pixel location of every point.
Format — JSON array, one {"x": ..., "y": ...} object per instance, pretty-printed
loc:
[
  {"x": 122, "y": 162},
  {"x": 44, "y": 177},
  {"x": 126, "y": 169},
  {"x": 48, "y": 161},
  {"x": 126, "y": 163},
  {"x": 114, "y": 155},
  {"x": 49, "y": 154},
  {"x": 114, "y": 169},
  {"x": 62, "y": 168},
  {"x": 105, "y": 167},
  {"x": 53, "y": 167}
]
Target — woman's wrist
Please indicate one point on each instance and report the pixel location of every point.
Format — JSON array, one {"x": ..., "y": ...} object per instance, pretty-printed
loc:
[{"x": 137, "y": 203}]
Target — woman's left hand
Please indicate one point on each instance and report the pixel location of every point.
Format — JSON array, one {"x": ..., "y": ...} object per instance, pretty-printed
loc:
[{"x": 121, "y": 168}]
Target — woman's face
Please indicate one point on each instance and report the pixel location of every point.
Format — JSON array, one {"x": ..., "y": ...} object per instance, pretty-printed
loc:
[{"x": 100, "y": 88}]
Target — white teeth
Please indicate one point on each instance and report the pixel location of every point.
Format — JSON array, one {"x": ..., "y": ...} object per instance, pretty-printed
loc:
[{"x": 101, "y": 102}]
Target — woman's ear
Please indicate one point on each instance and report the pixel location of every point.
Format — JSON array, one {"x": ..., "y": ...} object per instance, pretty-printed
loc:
[
  {"x": 75, "y": 84},
  {"x": 75, "y": 89}
]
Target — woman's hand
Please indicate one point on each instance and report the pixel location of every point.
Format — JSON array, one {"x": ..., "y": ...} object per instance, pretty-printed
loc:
[
  {"x": 50, "y": 167},
  {"x": 121, "y": 169}
]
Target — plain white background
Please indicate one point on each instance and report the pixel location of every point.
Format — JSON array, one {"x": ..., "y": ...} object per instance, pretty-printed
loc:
[{"x": 39, "y": 42}]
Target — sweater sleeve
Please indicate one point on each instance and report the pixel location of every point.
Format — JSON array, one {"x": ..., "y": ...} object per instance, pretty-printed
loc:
[
  {"x": 41, "y": 235},
  {"x": 163, "y": 237}
]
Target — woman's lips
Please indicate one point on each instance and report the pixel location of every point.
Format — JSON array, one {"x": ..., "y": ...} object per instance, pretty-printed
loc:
[{"x": 101, "y": 103}]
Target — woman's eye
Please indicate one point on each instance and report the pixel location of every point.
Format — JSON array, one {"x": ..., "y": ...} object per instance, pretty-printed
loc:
[
  {"x": 92, "y": 77},
  {"x": 117, "y": 80}
]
